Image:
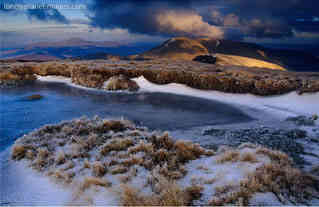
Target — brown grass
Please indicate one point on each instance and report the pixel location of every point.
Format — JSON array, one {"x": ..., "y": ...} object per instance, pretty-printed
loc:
[
  {"x": 30, "y": 155},
  {"x": 248, "y": 157},
  {"x": 188, "y": 151},
  {"x": 18, "y": 152},
  {"x": 228, "y": 156},
  {"x": 91, "y": 181},
  {"x": 276, "y": 156},
  {"x": 132, "y": 161},
  {"x": 114, "y": 125},
  {"x": 61, "y": 158},
  {"x": 119, "y": 170},
  {"x": 170, "y": 194},
  {"x": 8, "y": 76},
  {"x": 98, "y": 169},
  {"x": 141, "y": 147},
  {"x": 284, "y": 181},
  {"x": 86, "y": 164},
  {"x": 117, "y": 145}
]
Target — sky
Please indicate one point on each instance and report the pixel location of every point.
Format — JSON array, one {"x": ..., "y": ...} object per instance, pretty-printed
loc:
[{"x": 143, "y": 21}]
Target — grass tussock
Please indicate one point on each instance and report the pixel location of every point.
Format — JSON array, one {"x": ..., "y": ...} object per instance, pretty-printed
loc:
[
  {"x": 116, "y": 145},
  {"x": 229, "y": 156},
  {"x": 98, "y": 169},
  {"x": 132, "y": 161},
  {"x": 275, "y": 156},
  {"x": 86, "y": 164},
  {"x": 61, "y": 158},
  {"x": 93, "y": 181},
  {"x": 188, "y": 151},
  {"x": 286, "y": 182},
  {"x": 248, "y": 157},
  {"x": 169, "y": 194},
  {"x": 141, "y": 147},
  {"x": 30, "y": 155},
  {"x": 42, "y": 159},
  {"x": 18, "y": 152},
  {"x": 119, "y": 170}
]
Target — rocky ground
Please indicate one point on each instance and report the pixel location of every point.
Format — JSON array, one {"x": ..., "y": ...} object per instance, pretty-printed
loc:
[
  {"x": 140, "y": 167},
  {"x": 232, "y": 79}
]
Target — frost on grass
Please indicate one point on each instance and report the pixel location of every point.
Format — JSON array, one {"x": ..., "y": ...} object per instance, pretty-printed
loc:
[{"x": 138, "y": 167}]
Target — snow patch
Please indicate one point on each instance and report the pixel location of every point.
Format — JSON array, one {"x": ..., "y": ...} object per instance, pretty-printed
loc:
[{"x": 290, "y": 104}]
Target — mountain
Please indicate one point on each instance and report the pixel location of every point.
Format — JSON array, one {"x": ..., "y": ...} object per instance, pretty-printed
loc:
[
  {"x": 227, "y": 52},
  {"x": 96, "y": 56},
  {"x": 72, "y": 48},
  {"x": 235, "y": 53},
  {"x": 73, "y": 42},
  {"x": 176, "y": 48}
]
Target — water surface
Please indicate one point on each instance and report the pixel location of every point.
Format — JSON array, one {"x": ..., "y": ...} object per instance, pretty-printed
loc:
[{"x": 61, "y": 102}]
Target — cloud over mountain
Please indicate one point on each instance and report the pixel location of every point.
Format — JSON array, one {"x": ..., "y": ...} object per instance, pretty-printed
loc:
[{"x": 213, "y": 18}]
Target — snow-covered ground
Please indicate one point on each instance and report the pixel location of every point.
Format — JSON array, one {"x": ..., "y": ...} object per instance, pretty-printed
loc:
[
  {"x": 281, "y": 105},
  {"x": 286, "y": 105}
]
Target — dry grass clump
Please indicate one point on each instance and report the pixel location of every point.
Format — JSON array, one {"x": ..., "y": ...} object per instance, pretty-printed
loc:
[
  {"x": 30, "y": 155},
  {"x": 248, "y": 157},
  {"x": 275, "y": 156},
  {"x": 286, "y": 182},
  {"x": 116, "y": 145},
  {"x": 86, "y": 164},
  {"x": 121, "y": 83},
  {"x": 63, "y": 176},
  {"x": 282, "y": 180},
  {"x": 188, "y": 151},
  {"x": 141, "y": 147},
  {"x": 194, "y": 191},
  {"x": 169, "y": 194},
  {"x": 119, "y": 170},
  {"x": 77, "y": 150},
  {"x": 224, "y": 189},
  {"x": 160, "y": 155},
  {"x": 162, "y": 142},
  {"x": 61, "y": 158},
  {"x": 18, "y": 152},
  {"x": 42, "y": 159},
  {"x": 93, "y": 181},
  {"x": 229, "y": 156},
  {"x": 114, "y": 125},
  {"x": 132, "y": 161},
  {"x": 98, "y": 169}
]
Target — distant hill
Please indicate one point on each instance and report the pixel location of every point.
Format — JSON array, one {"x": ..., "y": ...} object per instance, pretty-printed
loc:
[
  {"x": 235, "y": 53},
  {"x": 176, "y": 48},
  {"x": 73, "y": 42},
  {"x": 96, "y": 56},
  {"x": 72, "y": 48},
  {"x": 227, "y": 52}
]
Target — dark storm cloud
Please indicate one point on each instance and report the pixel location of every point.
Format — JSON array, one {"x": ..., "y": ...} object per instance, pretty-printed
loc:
[
  {"x": 47, "y": 14},
  {"x": 252, "y": 18},
  {"x": 273, "y": 18},
  {"x": 151, "y": 17}
]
